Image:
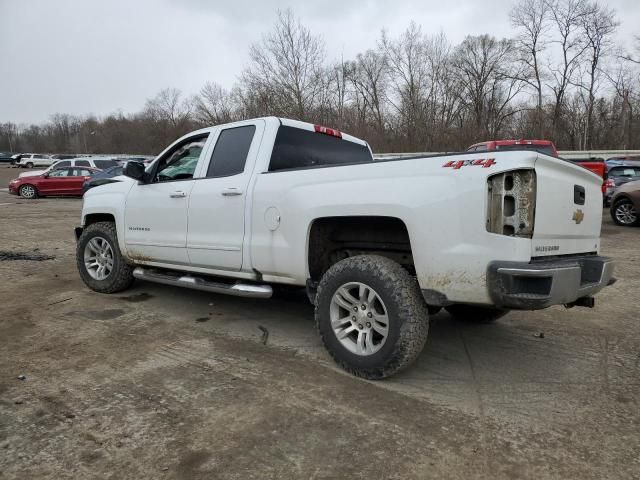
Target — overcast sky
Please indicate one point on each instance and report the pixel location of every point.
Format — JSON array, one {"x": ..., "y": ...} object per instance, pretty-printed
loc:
[{"x": 101, "y": 56}]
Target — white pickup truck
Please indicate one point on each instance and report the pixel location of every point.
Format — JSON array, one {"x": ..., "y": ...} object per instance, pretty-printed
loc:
[{"x": 378, "y": 245}]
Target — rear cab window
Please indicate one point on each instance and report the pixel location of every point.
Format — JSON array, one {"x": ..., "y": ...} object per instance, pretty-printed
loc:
[{"x": 295, "y": 148}]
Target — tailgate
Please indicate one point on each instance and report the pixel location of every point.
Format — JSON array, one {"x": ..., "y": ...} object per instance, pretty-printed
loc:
[{"x": 568, "y": 214}]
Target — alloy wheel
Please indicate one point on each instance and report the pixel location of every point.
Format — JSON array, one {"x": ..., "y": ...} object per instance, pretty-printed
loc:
[
  {"x": 626, "y": 213},
  {"x": 98, "y": 258},
  {"x": 359, "y": 318}
]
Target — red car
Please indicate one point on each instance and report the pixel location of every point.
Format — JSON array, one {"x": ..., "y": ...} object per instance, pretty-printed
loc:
[
  {"x": 61, "y": 181},
  {"x": 544, "y": 146}
]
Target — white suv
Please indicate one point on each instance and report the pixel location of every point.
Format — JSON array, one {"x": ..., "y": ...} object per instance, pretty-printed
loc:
[
  {"x": 99, "y": 163},
  {"x": 30, "y": 160}
]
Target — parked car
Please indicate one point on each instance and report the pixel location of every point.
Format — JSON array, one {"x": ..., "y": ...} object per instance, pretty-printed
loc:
[
  {"x": 625, "y": 204},
  {"x": 30, "y": 160},
  {"x": 237, "y": 207},
  {"x": 103, "y": 177},
  {"x": 97, "y": 162},
  {"x": 16, "y": 158},
  {"x": 619, "y": 173},
  {"x": 61, "y": 181},
  {"x": 544, "y": 146},
  {"x": 6, "y": 157}
]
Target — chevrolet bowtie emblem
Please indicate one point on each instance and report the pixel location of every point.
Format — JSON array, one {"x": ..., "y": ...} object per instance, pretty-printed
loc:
[{"x": 578, "y": 216}]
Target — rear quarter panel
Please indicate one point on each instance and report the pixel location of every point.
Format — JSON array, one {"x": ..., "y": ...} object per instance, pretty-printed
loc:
[{"x": 444, "y": 210}]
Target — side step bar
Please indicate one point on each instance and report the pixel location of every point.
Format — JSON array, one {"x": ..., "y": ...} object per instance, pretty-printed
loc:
[{"x": 198, "y": 283}]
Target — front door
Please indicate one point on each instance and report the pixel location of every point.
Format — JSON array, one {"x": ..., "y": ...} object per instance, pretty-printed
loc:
[
  {"x": 217, "y": 204},
  {"x": 156, "y": 211},
  {"x": 57, "y": 182}
]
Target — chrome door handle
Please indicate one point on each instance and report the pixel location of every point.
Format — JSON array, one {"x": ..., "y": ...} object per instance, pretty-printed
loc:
[
  {"x": 231, "y": 192},
  {"x": 178, "y": 194}
]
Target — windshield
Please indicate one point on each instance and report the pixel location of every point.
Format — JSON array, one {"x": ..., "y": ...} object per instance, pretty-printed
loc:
[{"x": 626, "y": 172}]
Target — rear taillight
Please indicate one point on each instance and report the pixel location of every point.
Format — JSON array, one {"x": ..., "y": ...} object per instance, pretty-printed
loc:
[
  {"x": 511, "y": 203},
  {"x": 327, "y": 131},
  {"x": 610, "y": 183}
]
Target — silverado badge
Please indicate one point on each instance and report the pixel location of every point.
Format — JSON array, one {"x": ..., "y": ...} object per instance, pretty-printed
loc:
[{"x": 578, "y": 216}]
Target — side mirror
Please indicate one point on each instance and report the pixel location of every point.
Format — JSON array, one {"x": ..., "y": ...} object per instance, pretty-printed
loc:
[{"x": 134, "y": 170}]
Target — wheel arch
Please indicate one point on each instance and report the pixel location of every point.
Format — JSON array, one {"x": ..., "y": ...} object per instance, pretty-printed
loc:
[{"x": 333, "y": 238}]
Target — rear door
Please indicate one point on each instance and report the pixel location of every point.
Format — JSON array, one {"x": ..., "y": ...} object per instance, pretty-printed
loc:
[
  {"x": 80, "y": 175},
  {"x": 568, "y": 208},
  {"x": 219, "y": 198}
]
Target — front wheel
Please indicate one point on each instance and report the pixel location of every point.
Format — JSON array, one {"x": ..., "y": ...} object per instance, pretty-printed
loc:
[
  {"x": 29, "y": 165},
  {"x": 28, "y": 191},
  {"x": 624, "y": 213},
  {"x": 471, "y": 313},
  {"x": 371, "y": 316},
  {"x": 100, "y": 262}
]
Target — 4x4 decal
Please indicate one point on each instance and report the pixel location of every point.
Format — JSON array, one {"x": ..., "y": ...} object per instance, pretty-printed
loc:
[{"x": 482, "y": 162}]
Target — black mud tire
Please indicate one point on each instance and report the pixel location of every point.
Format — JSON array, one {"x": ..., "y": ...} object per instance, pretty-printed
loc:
[
  {"x": 28, "y": 191},
  {"x": 406, "y": 310},
  {"x": 121, "y": 277},
  {"x": 475, "y": 314},
  {"x": 622, "y": 203}
]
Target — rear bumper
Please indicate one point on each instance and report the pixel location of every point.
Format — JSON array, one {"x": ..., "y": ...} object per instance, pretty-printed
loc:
[{"x": 540, "y": 284}]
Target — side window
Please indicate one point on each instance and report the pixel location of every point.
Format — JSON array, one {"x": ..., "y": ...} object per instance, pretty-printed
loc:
[
  {"x": 63, "y": 172},
  {"x": 82, "y": 163},
  {"x": 65, "y": 163},
  {"x": 230, "y": 153},
  {"x": 481, "y": 148},
  {"x": 181, "y": 162},
  {"x": 82, "y": 172},
  {"x": 102, "y": 164}
]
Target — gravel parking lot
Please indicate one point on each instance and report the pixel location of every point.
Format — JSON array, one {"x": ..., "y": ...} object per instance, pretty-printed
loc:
[{"x": 158, "y": 382}]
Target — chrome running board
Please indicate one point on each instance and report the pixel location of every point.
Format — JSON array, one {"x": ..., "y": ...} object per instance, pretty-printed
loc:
[{"x": 198, "y": 283}]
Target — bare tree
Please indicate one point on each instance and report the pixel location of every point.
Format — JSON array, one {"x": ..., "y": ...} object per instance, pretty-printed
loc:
[
  {"x": 483, "y": 67},
  {"x": 370, "y": 78},
  {"x": 566, "y": 18},
  {"x": 287, "y": 67},
  {"x": 213, "y": 105},
  {"x": 531, "y": 18},
  {"x": 599, "y": 25},
  {"x": 169, "y": 106}
]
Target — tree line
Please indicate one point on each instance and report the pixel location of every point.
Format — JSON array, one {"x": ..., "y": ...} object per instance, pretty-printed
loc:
[{"x": 561, "y": 77}]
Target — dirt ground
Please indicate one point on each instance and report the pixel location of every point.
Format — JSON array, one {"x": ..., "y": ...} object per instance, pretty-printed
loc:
[{"x": 159, "y": 382}]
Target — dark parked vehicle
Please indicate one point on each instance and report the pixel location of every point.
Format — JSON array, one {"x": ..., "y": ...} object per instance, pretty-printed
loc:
[
  {"x": 6, "y": 156},
  {"x": 102, "y": 178},
  {"x": 625, "y": 204},
  {"x": 619, "y": 173}
]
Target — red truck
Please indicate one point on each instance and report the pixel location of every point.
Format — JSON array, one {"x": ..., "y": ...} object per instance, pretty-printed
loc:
[
  {"x": 595, "y": 165},
  {"x": 544, "y": 146}
]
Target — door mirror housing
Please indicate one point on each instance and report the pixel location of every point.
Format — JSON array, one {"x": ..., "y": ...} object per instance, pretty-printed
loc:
[{"x": 135, "y": 170}]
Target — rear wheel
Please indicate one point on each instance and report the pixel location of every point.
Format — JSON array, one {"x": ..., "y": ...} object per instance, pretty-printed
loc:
[
  {"x": 470, "y": 313},
  {"x": 28, "y": 191},
  {"x": 624, "y": 213},
  {"x": 371, "y": 316},
  {"x": 99, "y": 260}
]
